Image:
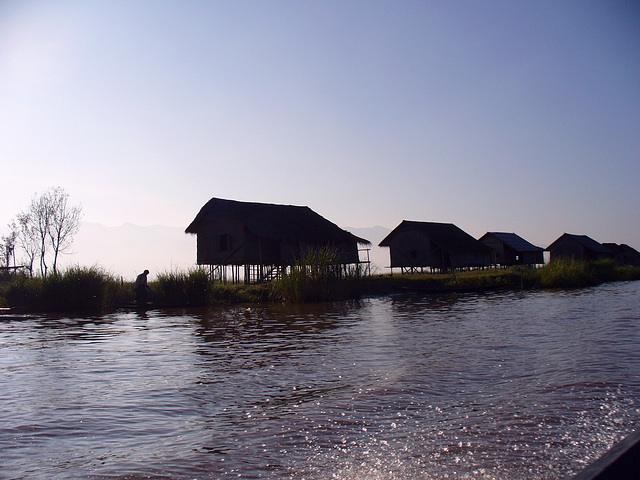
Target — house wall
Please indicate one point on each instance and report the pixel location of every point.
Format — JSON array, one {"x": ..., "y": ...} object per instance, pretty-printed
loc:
[
  {"x": 566, "y": 248},
  {"x": 532, "y": 258},
  {"x": 500, "y": 255},
  {"x": 261, "y": 251},
  {"x": 598, "y": 256},
  {"x": 225, "y": 241},
  {"x": 507, "y": 256},
  {"x": 220, "y": 242},
  {"x": 291, "y": 252},
  {"x": 348, "y": 253},
  {"x": 510, "y": 257},
  {"x": 629, "y": 257},
  {"x": 414, "y": 249}
]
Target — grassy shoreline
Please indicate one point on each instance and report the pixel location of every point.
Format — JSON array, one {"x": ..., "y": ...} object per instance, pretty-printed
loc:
[{"x": 82, "y": 289}]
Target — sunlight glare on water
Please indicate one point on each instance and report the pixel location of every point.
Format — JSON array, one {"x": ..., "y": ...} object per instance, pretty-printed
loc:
[{"x": 484, "y": 386}]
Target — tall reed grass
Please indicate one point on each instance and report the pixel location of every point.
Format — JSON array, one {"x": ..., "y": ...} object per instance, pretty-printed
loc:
[
  {"x": 76, "y": 289},
  {"x": 317, "y": 276},
  {"x": 195, "y": 289},
  {"x": 175, "y": 288},
  {"x": 564, "y": 273},
  {"x": 229, "y": 293},
  {"x": 570, "y": 273}
]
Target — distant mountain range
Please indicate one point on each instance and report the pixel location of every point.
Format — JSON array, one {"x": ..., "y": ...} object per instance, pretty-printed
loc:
[{"x": 128, "y": 249}]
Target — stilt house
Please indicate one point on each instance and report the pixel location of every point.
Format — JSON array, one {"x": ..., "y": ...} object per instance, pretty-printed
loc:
[
  {"x": 624, "y": 254},
  {"x": 255, "y": 241},
  {"x": 511, "y": 249},
  {"x": 414, "y": 246},
  {"x": 578, "y": 247}
]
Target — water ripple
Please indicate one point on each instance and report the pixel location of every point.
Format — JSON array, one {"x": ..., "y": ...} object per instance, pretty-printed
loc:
[{"x": 499, "y": 386}]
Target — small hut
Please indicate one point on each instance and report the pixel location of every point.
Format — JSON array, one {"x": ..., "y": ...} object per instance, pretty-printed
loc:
[
  {"x": 511, "y": 249},
  {"x": 255, "y": 241},
  {"x": 578, "y": 247},
  {"x": 624, "y": 254},
  {"x": 414, "y": 246}
]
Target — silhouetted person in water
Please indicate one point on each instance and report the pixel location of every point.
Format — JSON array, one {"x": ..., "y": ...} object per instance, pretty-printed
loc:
[{"x": 140, "y": 287}]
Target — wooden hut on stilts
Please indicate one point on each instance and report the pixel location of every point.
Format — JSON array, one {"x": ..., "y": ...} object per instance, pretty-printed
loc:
[
  {"x": 437, "y": 247},
  {"x": 256, "y": 242},
  {"x": 578, "y": 247},
  {"x": 511, "y": 249}
]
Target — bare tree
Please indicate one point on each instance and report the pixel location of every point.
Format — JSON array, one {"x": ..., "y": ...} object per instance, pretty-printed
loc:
[
  {"x": 47, "y": 228},
  {"x": 9, "y": 246},
  {"x": 40, "y": 214},
  {"x": 64, "y": 222},
  {"x": 26, "y": 239}
]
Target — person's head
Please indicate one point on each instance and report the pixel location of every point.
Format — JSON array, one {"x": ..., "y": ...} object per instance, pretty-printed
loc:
[{"x": 146, "y": 272}]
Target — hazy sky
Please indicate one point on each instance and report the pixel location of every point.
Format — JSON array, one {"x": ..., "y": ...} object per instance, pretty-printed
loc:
[{"x": 493, "y": 115}]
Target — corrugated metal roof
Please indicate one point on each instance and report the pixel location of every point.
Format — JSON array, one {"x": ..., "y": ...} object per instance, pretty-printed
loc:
[{"x": 515, "y": 242}]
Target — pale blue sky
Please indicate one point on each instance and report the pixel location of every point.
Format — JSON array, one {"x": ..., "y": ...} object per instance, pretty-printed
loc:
[{"x": 493, "y": 115}]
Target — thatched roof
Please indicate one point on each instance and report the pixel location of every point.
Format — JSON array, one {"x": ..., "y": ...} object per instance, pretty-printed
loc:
[
  {"x": 587, "y": 242},
  {"x": 278, "y": 222},
  {"x": 446, "y": 235},
  {"x": 623, "y": 248},
  {"x": 624, "y": 254},
  {"x": 515, "y": 242}
]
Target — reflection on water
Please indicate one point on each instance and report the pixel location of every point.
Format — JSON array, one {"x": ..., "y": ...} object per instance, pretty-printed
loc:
[{"x": 503, "y": 386}]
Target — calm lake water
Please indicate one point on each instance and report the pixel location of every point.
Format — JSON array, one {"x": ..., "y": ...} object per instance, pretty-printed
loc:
[{"x": 495, "y": 386}]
